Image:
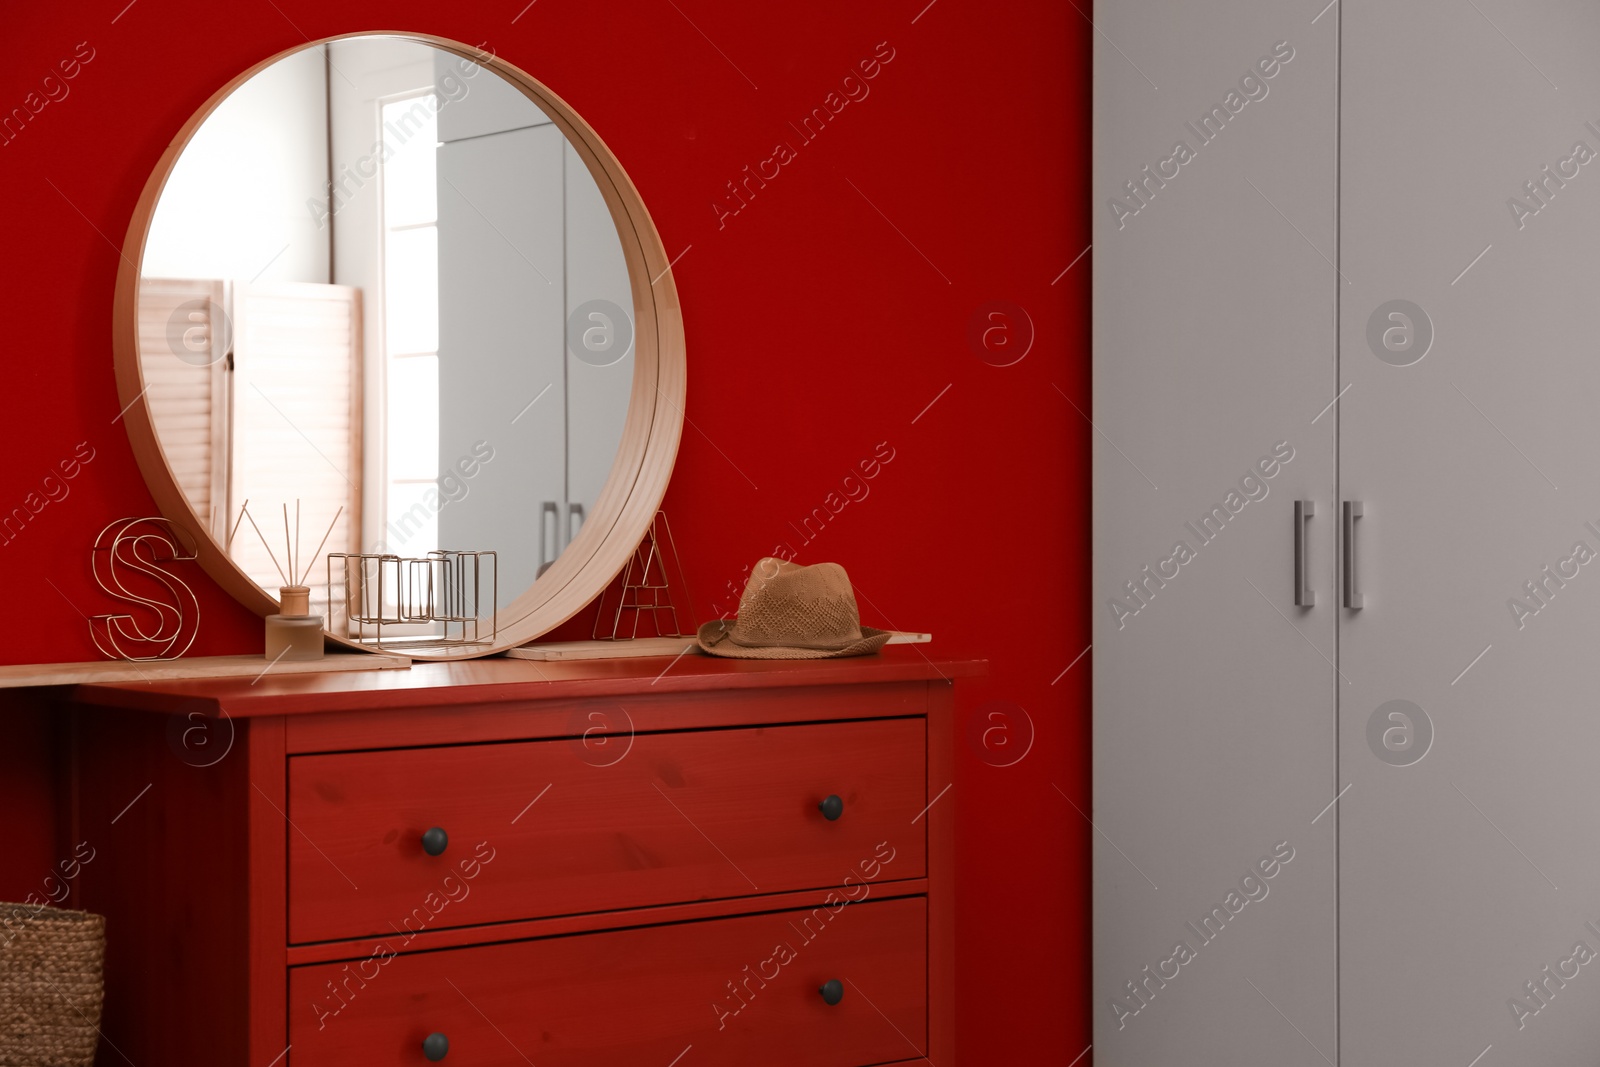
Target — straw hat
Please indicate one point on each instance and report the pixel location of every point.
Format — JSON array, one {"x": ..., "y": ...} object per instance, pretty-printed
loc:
[{"x": 792, "y": 612}]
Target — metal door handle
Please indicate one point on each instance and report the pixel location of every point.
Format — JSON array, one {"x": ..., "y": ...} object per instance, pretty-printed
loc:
[
  {"x": 549, "y": 533},
  {"x": 574, "y": 512},
  {"x": 1304, "y": 595},
  {"x": 1352, "y": 590}
]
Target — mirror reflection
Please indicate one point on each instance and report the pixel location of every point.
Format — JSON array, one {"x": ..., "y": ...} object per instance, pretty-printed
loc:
[{"x": 381, "y": 285}]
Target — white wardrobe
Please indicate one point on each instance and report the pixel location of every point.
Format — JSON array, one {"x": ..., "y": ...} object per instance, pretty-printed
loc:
[
  {"x": 1347, "y": 696},
  {"x": 525, "y": 239}
]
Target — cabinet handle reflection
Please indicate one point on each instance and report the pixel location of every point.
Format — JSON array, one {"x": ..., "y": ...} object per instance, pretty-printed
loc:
[
  {"x": 549, "y": 534},
  {"x": 575, "y": 517}
]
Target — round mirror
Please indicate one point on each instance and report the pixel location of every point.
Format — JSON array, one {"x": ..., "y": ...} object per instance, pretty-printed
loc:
[{"x": 394, "y": 325}]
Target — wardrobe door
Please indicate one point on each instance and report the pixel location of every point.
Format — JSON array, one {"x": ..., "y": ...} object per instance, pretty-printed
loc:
[
  {"x": 1214, "y": 692},
  {"x": 502, "y": 321},
  {"x": 1468, "y": 882},
  {"x": 600, "y": 384}
]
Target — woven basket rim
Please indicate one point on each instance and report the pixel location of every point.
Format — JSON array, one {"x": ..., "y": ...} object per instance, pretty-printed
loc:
[{"x": 38, "y": 912}]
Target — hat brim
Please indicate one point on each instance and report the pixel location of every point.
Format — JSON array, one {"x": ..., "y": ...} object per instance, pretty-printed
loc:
[{"x": 714, "y": 638}]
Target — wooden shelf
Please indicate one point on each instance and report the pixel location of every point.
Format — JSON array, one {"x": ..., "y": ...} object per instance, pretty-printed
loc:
[{"x": 200, "y": 667}]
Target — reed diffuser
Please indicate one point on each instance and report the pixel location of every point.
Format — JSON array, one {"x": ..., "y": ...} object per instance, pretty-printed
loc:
[{"x": 294, "y": 633}]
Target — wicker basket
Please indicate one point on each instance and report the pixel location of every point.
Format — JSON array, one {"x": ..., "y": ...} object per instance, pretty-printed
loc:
[{"x": 51, "y": 985}]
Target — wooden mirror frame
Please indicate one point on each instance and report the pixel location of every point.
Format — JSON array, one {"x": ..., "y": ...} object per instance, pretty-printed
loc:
[{"x": 649, "y": 446}]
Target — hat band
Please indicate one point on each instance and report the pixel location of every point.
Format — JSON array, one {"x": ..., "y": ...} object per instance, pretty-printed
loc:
[{"x": 788, "y": 642}]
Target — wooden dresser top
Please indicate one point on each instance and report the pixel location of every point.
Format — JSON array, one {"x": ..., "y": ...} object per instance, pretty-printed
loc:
[{"x": 494, "y": 680}]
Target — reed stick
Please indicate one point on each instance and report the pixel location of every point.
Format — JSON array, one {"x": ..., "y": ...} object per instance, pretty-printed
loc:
[
  {"x": 322, "y": 542},
  {"x": 264, "y": 544},
  {"x": 236, "y": 522}
]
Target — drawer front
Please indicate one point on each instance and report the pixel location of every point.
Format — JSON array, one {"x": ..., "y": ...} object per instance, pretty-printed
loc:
[
  {"x": 740, "y": 992},
  {"x": 550, "y": 828}
]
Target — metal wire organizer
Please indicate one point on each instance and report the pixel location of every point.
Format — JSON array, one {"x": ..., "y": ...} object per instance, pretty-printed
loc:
[{"x": 436, "y": 599}]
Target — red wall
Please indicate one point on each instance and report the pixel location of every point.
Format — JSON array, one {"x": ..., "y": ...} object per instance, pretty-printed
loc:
[{"x": 819, "y": 325}]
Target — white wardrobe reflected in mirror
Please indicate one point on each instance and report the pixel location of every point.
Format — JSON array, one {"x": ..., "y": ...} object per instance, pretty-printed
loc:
[{"x": 381, "y": 285}]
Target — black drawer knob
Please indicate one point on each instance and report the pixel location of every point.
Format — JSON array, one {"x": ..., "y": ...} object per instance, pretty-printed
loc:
[
  {"x": 434, "y": 843},
  {"x": 832, "y": 991},
  {"x": 435, "y": 1046},
  {"x": 832, "y": 807}
]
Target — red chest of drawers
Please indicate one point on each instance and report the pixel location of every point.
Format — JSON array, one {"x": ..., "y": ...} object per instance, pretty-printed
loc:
[{"x": 501, "y": 862}]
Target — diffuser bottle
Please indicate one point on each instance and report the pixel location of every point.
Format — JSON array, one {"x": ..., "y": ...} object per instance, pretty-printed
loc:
[{"x": 294, "y": 633}]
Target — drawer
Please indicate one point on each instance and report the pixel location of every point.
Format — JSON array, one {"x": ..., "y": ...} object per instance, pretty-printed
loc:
[
  {"x": 548, "y": 828},
  {"x": 740, "y": 991}
]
